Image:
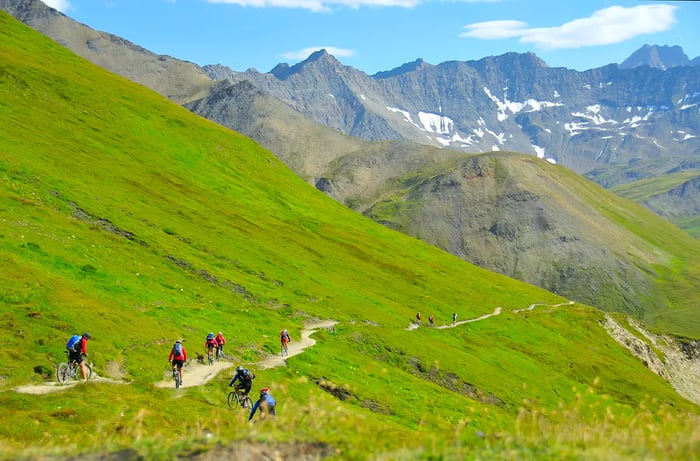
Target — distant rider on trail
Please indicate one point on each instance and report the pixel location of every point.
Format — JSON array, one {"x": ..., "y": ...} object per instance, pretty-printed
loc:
[{"x": 178, "y": 357}]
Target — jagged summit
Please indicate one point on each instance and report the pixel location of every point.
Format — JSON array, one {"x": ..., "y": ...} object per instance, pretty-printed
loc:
[
  {"x": 319, "y": 58},
  {"x": 658, "y": 57},
  {"x": 512, "y": 58},
  {"x": 418, "y": 64}
]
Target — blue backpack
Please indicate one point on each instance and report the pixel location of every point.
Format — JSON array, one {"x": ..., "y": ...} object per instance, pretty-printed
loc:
[
  {"x": 73, "y": 342},
  {"x": 177, "y": 350}
]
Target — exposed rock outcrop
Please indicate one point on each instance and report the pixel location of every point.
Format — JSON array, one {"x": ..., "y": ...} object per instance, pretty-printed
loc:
[{"x": 679, "y": 363}]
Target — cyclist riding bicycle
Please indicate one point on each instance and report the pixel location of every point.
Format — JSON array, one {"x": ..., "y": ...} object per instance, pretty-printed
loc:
[
  {"x": 245, "y": 380},
  {"x": 178, "y": 357},
  {"x": 220, "y": 341},
  {"x": 79, "y": 350},
  {"x": 285, "y": 338},
  {"x": 210, "y": 344},
  {"x": 266, "y": 403}
]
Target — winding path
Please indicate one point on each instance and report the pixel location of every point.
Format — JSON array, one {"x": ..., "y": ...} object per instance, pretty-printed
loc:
[
  {"x": 496, "y": 311},
  {"x": 195, "y": 374}
]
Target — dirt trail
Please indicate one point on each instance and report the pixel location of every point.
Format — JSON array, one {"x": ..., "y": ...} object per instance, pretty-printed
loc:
[
  {"x": 195, "y": 374},
  {"x": 496, "y": 311},
  {"x": 46, "y": 388}
]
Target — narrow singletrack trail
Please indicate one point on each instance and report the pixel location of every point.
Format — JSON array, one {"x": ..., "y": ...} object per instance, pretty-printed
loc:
[
  {"x": 496, "y": 311},
  {"x": 46, "y": 388},
  {"x": 195, "y": 374}
]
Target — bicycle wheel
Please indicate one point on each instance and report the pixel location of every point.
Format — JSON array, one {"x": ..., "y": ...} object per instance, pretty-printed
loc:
[
  {"x": 247, "y": 402},
  {"x": 177, "y": 380},
  {"x": 211, "y": 358},
  {"x": 88, "y": 371},
  {"x": 232, "y": 399},
  {"x": 62, "y": 372}
]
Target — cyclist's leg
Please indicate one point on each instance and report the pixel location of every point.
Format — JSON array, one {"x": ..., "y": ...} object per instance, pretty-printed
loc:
[{"x": 179, "y": 369}]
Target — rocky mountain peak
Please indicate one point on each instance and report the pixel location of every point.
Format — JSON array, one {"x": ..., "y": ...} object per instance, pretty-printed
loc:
[
  {"x": 658, "y": 57},
  {"x": 29, "y": 11},
  {"x": 418, "y": 64},
  {"x": 512, "y": 60},
  {"x": 320, "y": 59}
]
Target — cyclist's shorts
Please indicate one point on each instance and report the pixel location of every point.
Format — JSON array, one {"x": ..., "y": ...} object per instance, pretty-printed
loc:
[
  {"x": 245, "y": 385},
  {"x": 178, "y": 363},
  {"x": 76, "y": 357}
]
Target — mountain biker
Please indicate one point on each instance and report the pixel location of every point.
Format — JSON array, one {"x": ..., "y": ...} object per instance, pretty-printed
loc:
[
  {"x": 220, "y": 341},
  {"x": 178, "y": 357},
  {"x": 285, "y": 338},
  {"x": 245, "y": 380},
  {"x": 454, "y": 318},
  {"x": 78, "y": 351},
  {"x": 431, "y": 319},
  {"x": 210, "y": 343},
  {"x": 266, "y": 403},
  {"x": 418, "y": 317}
]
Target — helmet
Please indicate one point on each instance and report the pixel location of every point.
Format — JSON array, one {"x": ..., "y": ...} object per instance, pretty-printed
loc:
[
  {"x": 87, "y": 335},
  {"x": 211, "y": 333},
  {"x": 240, "y": 368},
  {"x": 264, "y": 390},
  {"x": 285, "y": 332},
  {"x": 178, "y": 341},
  {"x": 220, "y": 333}
]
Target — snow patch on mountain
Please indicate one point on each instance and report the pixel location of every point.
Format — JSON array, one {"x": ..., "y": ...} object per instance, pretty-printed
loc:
[
  {"x": 505, "y": 106},
  {"x": 435, "y": 124}
]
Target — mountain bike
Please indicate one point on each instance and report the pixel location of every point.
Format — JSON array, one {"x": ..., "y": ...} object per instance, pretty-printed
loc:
[
  {"x": 285, "y": 350},
  {"x": 176, "y": 377},
  {"x": 210, "y": 356},
  {"x": 71, "y": 370},
  {"x": 237, "y": 398}
]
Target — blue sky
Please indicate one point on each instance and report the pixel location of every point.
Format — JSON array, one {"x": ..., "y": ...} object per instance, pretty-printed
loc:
[{"x": 378, "y": 35}]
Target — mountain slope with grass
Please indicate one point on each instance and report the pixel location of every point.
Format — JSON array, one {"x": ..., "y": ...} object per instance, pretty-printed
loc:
[
  {"x": 544, "y": 224},
  {"x": 130, "y": 217},
  {"x": 513, "y": 214},
  {"x": 675, "y": 196}
]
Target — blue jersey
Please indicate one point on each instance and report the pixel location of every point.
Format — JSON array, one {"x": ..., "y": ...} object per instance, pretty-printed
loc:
[{"x": 267, "y": 398}]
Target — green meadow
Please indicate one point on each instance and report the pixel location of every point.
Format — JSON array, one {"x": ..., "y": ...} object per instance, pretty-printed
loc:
[{"x": 127, "y": 216}]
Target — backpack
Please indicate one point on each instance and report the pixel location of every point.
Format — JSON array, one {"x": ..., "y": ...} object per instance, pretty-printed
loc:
[
  {"x": 248, "y": 376},
  {"x": 73, "y": 342},
  {"x": 177, "y": 350}
]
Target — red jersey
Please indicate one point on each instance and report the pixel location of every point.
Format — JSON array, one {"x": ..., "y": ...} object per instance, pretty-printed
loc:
[{"x": 182, "y": 356}]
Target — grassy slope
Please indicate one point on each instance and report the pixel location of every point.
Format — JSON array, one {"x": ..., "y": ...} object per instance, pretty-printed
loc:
[
  {"x": 646, "y": 189},
  {"x": 186, "y": 227},
  {"x": 664, "y": 255}
]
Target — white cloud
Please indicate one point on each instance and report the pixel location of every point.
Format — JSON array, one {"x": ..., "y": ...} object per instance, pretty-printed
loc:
[
  {"x": 60, "y": 5},
  {"x": 610, "y": 25},
  {"x": 300, "y": 55},
  {"x": 321, "y": 5},
  {"x": 327, "y": 5}
]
